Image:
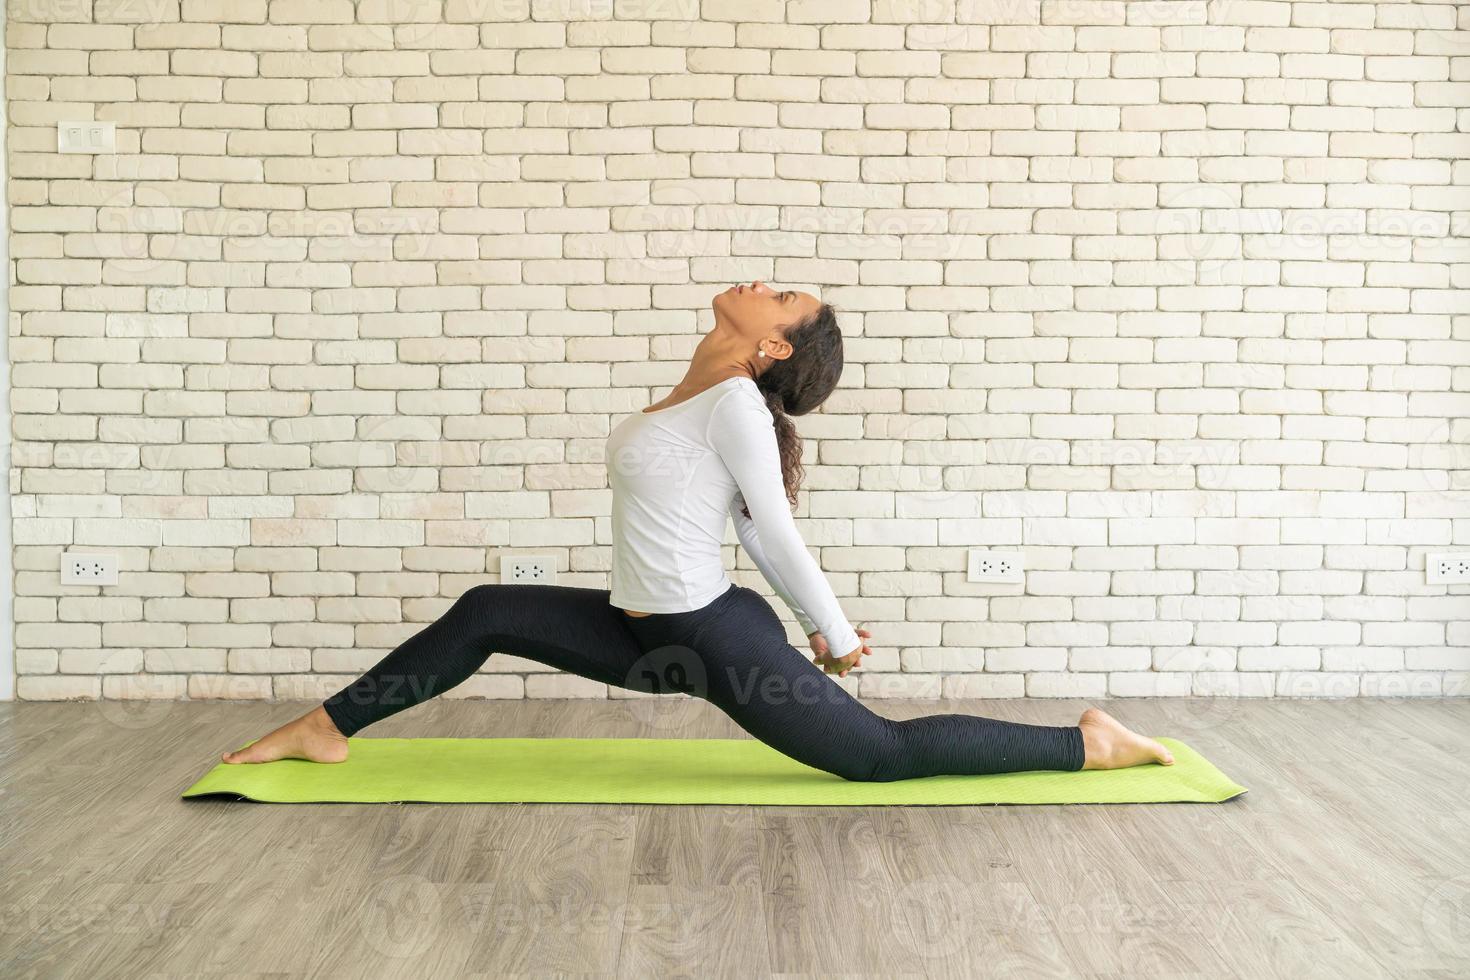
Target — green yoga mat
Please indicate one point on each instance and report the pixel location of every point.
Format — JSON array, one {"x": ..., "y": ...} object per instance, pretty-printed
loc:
[{"x": 671, "y": 770}]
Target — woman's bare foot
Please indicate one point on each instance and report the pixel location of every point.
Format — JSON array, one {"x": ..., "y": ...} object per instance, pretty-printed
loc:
[
  {"x": 313, "y": 737},
  {"x": 1111, "y": 746}
]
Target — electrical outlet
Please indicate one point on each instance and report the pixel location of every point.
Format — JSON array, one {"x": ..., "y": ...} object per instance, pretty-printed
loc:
[
  {"x": 996, "y": 566},
  {"x": 1447, "y": 569},
  {"x": 79, "y": 569},
  {"x": 528, "y": 569}
]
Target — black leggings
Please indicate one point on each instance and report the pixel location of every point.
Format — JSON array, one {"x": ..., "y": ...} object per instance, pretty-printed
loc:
[{"x": 732, "y": 652}]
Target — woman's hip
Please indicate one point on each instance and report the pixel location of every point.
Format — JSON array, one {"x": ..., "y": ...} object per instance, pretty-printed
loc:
[{"x": 738, "y": 611}]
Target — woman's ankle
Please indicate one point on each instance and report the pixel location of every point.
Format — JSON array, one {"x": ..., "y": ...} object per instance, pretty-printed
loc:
[{"x": 322, "y": 719}]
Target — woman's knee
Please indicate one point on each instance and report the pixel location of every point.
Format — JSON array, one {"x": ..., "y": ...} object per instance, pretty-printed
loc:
[
  {"x": 856, "y": 773},
  {"x": 869, "y": 773},
  {"x": 879, "y": 771},
  {"x": 479, "y": 595},
  {"x": 475, "y": 604},
  {"x": 883, "y": 760}
]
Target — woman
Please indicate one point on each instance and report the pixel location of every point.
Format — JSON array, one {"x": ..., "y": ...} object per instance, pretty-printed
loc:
[{"x": 721, "y": 445}]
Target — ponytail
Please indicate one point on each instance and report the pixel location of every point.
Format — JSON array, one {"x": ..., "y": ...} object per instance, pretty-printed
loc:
[{"x": 800, "y": 383}]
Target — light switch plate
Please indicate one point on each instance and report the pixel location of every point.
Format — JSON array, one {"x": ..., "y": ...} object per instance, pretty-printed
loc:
[{"x": 86, "y": 137}]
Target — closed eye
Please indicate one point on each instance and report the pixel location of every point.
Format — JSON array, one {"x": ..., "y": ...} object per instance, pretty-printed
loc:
[{"x": 787, "y": 295}]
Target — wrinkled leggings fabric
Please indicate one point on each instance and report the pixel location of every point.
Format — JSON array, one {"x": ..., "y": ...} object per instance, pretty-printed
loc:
[{"x": 732, "y": 652}]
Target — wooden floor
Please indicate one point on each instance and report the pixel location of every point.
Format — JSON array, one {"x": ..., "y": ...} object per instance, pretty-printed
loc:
[{"x": 1349, "y": 857}]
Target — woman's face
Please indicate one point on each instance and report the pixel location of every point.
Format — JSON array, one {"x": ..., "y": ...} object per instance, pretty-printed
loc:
[{"x": 756, "y": 312}]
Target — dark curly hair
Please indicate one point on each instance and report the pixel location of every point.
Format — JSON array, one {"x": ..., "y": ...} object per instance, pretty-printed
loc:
[{"x": 800, "y": 383}]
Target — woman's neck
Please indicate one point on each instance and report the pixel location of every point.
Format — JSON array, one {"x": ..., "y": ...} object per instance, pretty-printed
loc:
[{"x": 712, "y": 363}]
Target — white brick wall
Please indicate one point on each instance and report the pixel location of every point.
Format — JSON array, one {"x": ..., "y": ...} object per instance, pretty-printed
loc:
[{"x": 1170, "y": 295}]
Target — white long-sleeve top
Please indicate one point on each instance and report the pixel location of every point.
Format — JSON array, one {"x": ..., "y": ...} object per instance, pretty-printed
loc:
[{"x": 677, "y": 475}]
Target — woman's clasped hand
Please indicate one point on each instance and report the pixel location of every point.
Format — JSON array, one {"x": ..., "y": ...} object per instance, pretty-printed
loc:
[{"x": 838, "y": 665}]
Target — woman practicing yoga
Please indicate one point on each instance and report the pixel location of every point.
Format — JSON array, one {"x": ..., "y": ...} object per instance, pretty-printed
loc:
[{"x": 721, "y": 446}]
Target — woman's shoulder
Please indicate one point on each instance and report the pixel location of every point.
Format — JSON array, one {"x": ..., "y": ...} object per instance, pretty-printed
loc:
[
  {"x": 741, "y": 404},
  {"x": 740, "y": 413},
  {"x": 744, "y": 395}
]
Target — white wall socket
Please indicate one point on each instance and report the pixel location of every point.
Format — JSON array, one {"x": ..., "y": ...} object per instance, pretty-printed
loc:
[
  {"x": 81, "y": 569},
  {"x": 528, "y": 569},
  {"x": 86, "y": 137},
  {"x": 996, "y": 566},
  {"x": 1447, "y": 569}
]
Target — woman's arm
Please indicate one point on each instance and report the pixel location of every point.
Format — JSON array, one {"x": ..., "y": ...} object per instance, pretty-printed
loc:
[
  {"x": 741, "y": 431},
  {"x": 751, "y": 542}
]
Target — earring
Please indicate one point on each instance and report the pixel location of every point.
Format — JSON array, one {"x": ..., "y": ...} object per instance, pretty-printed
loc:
[{"x": 760, "y": 353}]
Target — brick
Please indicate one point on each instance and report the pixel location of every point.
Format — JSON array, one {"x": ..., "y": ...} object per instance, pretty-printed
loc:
[{"x": 1174, "y": 309}]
